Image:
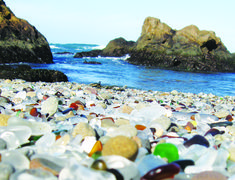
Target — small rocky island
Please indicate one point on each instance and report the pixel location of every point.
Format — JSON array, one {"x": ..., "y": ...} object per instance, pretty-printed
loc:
[
  {"x": 188, "y": 49},
  {"x": 21, "y": 42}
]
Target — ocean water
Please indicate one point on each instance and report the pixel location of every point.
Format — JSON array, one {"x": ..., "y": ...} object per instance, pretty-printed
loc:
[{"x": 116, "y": 71}]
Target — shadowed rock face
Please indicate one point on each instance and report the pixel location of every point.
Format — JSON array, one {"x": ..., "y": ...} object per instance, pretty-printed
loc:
[
  {"x": 33, "y": 75},
  {"x": 20, "y": 41},
  {"x": 188, "y": 49}
]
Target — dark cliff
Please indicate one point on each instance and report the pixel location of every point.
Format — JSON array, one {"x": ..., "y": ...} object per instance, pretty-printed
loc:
[{"x": 20, "y": 41}]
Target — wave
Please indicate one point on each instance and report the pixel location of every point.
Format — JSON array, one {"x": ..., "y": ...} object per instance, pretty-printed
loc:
[
  {"x": 99, "y": 47},
  {"x": 109, "y": 58},
  {"x": 54, "y": 47}
]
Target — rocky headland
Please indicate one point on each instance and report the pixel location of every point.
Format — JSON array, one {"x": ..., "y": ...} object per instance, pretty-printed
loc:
[
  {"x": 20, "y": 41},
  {"x": 188, "y": 49}
]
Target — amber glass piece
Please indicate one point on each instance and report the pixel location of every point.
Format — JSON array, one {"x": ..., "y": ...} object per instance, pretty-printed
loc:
[
  {"x": 140, "y": 127},
  {"x": 189, "y": 126},
  {"x": 97, "y": 147},
  {"x": 229, "y": 118},
  {"x": 34, "y": 112},
  {"x": 58, "y": 137}
]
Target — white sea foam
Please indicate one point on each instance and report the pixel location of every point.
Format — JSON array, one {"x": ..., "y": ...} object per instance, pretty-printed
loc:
[
  {"x": 54, "y": 47},
  {"x": 99, "y": 47}
]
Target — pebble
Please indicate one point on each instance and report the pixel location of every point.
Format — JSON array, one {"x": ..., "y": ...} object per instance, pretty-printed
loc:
[
  {"x": 47, "y": 165},
  {"x": 33, "y": 174},
  {"x": 162, "y": 172},
  {"x": 99, "y": 165},
  {"x": 6, "y": 170},
  {"x": 3, "y": 144},
  {"x": 164, "y": 121},
  {"x": 4, "y": 119},
  {"x": 109, "y": 133},
  {"x": 49, "y": 106},
  {"x": 197, "y": 139},
  {"x": 127, "y": 109},
  {"x": 84, "y": 129},
  {"x": 231, "y": 151},
  {"x": 222, "y": 114},
  {"x": 124, "y": 130},
  {"x": 209, "y": 175},
  {"x": 122, "y": 146}
]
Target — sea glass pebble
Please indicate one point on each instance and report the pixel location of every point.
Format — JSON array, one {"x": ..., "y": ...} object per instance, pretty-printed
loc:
[
  {"x": 83, "y": 129},
  {"x": 99, "y": 165},
  {"x": 162, "y": 172},
  {"x": 183, "y": 163},
  {"x": 167, "y": 150},
  {"x": 50, "y": 106},
  {"x": 46, "y": 165},
  {"x": 197, "y": 139},
  {"x": 6, "y": 170},
  {"x": 33, "y": 174},
  {"x": 116, "y": 173},
  {"x": 214, "y": 132},
  {"x": 218, "y": 124},
  {"x": 3, "y": 144},
  {"x": 209, "y": 175}
]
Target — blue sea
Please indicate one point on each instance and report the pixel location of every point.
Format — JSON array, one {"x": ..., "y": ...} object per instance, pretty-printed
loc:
[{"x": 117, "y": 71}]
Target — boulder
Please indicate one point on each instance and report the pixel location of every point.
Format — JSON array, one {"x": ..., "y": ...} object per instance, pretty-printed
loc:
[
  {"x": 116, "y": 48},
  {"x": 20, "y": 41},
  {"x": 33, "y": 75}
]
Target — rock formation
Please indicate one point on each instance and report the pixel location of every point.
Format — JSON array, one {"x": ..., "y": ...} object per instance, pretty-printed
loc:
[
  {"x": 20, "y": 41},
  {"x": 188, "y": 49},
  {"x": 33, "y": 75},
  {"x": 115, "y": 48}
]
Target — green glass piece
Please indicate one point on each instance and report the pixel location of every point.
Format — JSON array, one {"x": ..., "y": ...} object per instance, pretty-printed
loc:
[
  {"x": 167, "y": 150},
  {"x": 34, "y": 138},
  {"x": 96, "y": 155},
  {"x": 18, "y": 113}
]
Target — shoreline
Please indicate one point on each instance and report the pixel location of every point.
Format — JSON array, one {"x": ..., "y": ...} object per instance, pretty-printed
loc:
[{"x": 69, "y": 120}]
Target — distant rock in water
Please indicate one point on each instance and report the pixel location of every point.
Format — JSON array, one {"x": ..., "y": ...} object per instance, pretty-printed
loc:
[
  {"x": 91, "y": 62},
  {"x": 33, "y": 75},
  {"x": 63, "y": 53},
  {"x": 20, "y": 41},
  {"x": 116, "y": 48},
  {"x": 93, "y": 53},
  {"x": 188, "y": 49}
]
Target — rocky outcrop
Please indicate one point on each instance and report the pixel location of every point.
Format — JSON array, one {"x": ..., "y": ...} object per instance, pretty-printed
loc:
[
  {"x": 33, "y": 75},
  {"x": 118, "y": 47},
  {"x": 20, "y": 41},
  {"x": 115, "y": 48},
  {"x": 188, "y": 49}
]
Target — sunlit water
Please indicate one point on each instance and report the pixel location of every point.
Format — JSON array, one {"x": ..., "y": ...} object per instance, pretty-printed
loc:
[{"x": 116, "y": 71}]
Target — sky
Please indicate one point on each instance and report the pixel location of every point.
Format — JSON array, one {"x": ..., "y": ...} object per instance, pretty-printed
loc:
[{"x": 99, "y": 21}]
